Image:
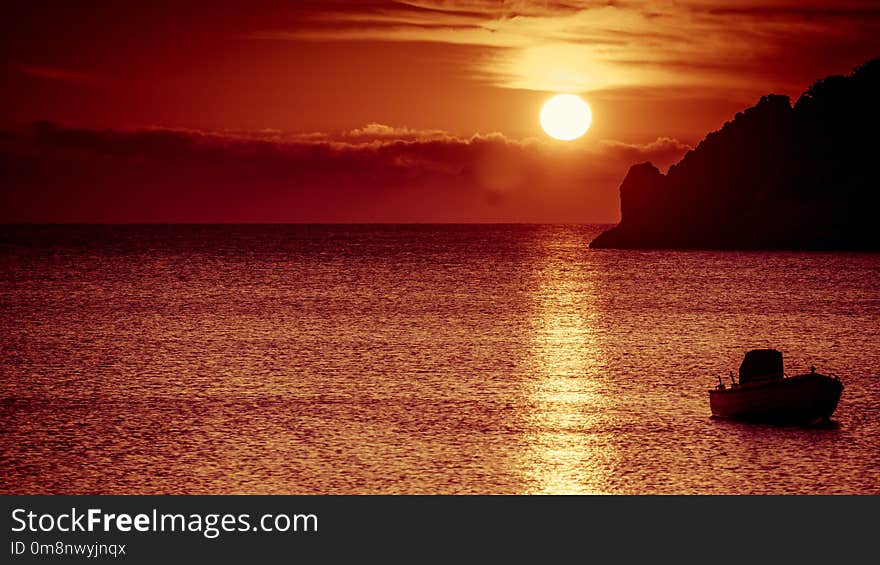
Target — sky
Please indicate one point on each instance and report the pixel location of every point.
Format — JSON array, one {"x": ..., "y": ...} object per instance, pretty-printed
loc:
[{"x": 381, "y": 111}]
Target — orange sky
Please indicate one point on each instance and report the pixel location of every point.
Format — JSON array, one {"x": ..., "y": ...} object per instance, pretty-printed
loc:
[{"x": 404, "y": 111}]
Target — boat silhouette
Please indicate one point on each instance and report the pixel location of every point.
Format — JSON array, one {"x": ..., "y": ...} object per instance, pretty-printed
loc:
[{"x": 764, "y": 394}]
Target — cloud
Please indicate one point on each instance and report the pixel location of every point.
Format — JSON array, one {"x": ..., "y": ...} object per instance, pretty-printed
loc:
[
  {"x": 585, "y": 46},
  {"x": 377, "y": 173},
  {"x": 62, "y": 75},
  {"x": 800, "y": 10},
  {"x": 663, "y": 151},
  {"x": 376, "y": 131}
]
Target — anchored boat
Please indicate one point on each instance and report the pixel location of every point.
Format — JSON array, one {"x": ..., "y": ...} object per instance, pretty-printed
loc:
[{"x": 764, "y": 394}]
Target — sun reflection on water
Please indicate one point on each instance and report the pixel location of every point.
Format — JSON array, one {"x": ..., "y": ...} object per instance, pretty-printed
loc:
[{"x": 564, "y": 455}]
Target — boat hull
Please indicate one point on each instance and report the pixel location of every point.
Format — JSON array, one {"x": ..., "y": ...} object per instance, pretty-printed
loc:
[{"x": 807, "y": 398}]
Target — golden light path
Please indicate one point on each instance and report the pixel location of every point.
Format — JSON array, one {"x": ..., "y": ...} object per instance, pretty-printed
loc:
[{"x": 563, "y": 455}]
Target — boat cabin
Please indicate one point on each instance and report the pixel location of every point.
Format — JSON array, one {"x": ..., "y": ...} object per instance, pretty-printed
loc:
[{"x": 761, "y": 365}]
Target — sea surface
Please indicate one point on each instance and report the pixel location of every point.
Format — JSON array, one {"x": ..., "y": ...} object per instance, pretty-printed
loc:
[{"x": 418, "y": 359}]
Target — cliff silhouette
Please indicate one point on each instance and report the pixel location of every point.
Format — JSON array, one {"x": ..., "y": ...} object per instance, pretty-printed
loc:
[{"x": 775, "y": 177}]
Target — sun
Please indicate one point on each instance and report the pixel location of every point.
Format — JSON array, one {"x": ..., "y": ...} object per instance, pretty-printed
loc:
[{"x": 566, "y": 117}]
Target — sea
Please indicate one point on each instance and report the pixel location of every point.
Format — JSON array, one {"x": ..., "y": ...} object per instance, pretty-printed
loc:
[{"x": 418, "y": 359}]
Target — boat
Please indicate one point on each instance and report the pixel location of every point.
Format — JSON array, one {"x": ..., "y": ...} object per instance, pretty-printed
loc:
[{"x": 764, "y": 394}]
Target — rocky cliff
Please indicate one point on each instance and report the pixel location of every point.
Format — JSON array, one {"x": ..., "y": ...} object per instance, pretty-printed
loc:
[{"x": 775, "y": 177}]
